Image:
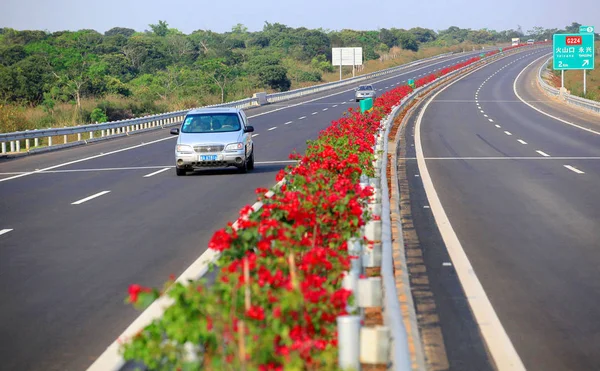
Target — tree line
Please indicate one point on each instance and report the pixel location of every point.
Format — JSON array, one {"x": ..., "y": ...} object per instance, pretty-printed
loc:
[{"x": 39, "y": 68}]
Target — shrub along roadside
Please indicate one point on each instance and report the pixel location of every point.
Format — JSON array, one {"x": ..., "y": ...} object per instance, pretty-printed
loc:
[{"x": 277, "y": 292}]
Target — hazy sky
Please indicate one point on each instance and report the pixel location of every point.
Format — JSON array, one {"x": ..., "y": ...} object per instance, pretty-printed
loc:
[{"x": 221, "y": 15}]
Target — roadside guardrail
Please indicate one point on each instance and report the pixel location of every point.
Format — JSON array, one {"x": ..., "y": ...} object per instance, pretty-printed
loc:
[
  {"x": 45, "y": 139},
  {"x": 570, "y": 99}
]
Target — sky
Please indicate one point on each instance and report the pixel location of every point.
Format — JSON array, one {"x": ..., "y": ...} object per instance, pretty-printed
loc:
[{"x": 221, "y": 15}]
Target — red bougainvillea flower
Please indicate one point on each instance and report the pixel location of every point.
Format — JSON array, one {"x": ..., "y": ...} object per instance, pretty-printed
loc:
[{"x": 135, "y": 290}]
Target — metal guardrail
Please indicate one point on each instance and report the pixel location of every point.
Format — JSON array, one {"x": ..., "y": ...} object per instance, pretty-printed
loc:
[
  {"x": 570, "y": 99},
  {"x": 43, "y": 138}
]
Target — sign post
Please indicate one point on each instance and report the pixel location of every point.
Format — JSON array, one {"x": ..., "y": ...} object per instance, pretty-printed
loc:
[
  {"x": 347, "y": 57},
  {"x": 574, "y": 52}
]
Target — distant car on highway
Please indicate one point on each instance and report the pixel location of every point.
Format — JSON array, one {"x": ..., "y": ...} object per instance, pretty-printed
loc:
[
  {"x": 364, "y": 92},
  {"x": 214, "y": 137},
  {"x": 530, "y": 42}
]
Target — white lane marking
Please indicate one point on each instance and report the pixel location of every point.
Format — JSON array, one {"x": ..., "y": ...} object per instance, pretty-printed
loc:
[
  {"x": 273, "y": 128},
  {"x": 574, "y": 169},
  {"x": 287, "y": 123},
  {"x": 314, "y": 113},
  {"x": 501, "y": 348},
  {"x": 539, "y": 110},
  {"x": 352, "y": 100},
  {"x": 90, "y": 198},
  {"x": 485, "y": 115},
  {"x": 491, "y": 120},
  {"x": 543, "y": 153},
  {"x": 86, "y": 159},
  {"x": 521, "y": 141},
  {"x": 387, "y": 87},
  {"x": 380, "y": 89},
  {"x": 325, "y": 109},
  {"x": 481, "y": 111},
  {"x": 335, "y": 105},
  {"x": 157, "y": 172},
  {"x": 446, "y": 264},
  {"x": 425, "y": 207},
  {"x": 5, "y": 231},
  {"x": 255, "y": 135},
  {"x": 302, "y": 118},
  {"x": 498, "y": 126},
  {"x": 507, "y": 133}
]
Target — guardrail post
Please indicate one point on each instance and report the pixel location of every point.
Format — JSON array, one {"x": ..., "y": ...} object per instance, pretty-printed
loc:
[
  {"x": 18, "y": 146},
  {"x": 113, "y": 131},
  {"x": 3, "y": 147},
  {"x": 36, "y": 142},
  {"x": 102, "y": 133},
  {"x": 12, "y": 146},
  {"x": 91, "y": 135},
  {"x": 65, "y": 139},
  {"x": 49, "y": 141},
  {"x": 79, "y": 137},
  {"x": 348, "y": 328},
  {"x": 27, "y": 144}
]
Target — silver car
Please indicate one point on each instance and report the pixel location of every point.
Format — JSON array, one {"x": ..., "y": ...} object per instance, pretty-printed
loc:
[
  {"x": 214, "y": 137},
  {"x": 364, "y": 92}
]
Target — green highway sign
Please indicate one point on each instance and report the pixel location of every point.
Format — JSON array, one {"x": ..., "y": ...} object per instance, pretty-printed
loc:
[
  {"x": 586, "y": 29},
  {"x": 573, "y": 51}
]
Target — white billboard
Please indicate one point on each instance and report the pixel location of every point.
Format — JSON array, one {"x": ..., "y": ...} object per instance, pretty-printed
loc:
[{"x": 346, "y": 56}]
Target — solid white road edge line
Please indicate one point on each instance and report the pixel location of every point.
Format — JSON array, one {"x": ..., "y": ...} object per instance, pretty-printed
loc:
[
  {"x": 501, "y": 348},
  {"x": 111, "y": 359},
  {"x": 574, "y": 169},
  {"x": 539, "y": 110},
  {"x": 90, "y": 198},
  {"x": 4, "y": 231},
  {"x": 157, "y": 172}
]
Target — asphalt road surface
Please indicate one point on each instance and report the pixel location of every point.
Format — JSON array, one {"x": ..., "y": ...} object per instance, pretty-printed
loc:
[
  {"x": 521, "y": 192},
  {"x": 65, "y": 268}
]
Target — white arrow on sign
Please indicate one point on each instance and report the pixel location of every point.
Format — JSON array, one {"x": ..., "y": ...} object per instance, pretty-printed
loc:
[{"x": 585, "y": 62}]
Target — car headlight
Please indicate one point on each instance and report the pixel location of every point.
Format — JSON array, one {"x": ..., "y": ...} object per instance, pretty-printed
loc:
[
  {"x": 234, "y": 146},
  {"x": 183, "y": 148}
]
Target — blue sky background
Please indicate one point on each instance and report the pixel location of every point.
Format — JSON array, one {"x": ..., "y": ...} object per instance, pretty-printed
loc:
[{"x": 219, "y": 16}]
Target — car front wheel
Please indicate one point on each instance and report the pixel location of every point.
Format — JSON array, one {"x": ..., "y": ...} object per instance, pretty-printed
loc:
[
  {"x": 251, "y": 161},
  {"x": 180, "y": 172}
]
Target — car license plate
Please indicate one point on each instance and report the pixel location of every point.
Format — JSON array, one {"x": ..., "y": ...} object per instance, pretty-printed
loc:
[{"x": 208, "y": 158}]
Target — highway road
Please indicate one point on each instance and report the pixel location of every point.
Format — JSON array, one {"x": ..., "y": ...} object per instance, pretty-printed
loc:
[
  {"x": 66, "y": 259},
  {"x": 520, "y": 190}
]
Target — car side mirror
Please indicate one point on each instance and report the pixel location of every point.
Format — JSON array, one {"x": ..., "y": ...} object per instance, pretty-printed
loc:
[
  {"x": 249, "y": 129},
  {"x": 175, "y": 131}
]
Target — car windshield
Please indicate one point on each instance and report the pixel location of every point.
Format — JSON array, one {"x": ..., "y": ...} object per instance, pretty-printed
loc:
[
  {"x": 211, "y": 123},
  {"x": 365, "y": 87}
]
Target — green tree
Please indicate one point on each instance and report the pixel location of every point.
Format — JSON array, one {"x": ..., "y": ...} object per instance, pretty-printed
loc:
[
  {"x": 160, "y": 29},
  {"x": 126, "y": 32},
  {"x": 275, "y": 77},
  {"x": 219, "y": 73}
]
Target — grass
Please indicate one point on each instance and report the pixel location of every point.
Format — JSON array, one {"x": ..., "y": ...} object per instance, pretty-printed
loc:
[
  {"x": 15, "y": 118},
  {"x": 574, "y": 79}
]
